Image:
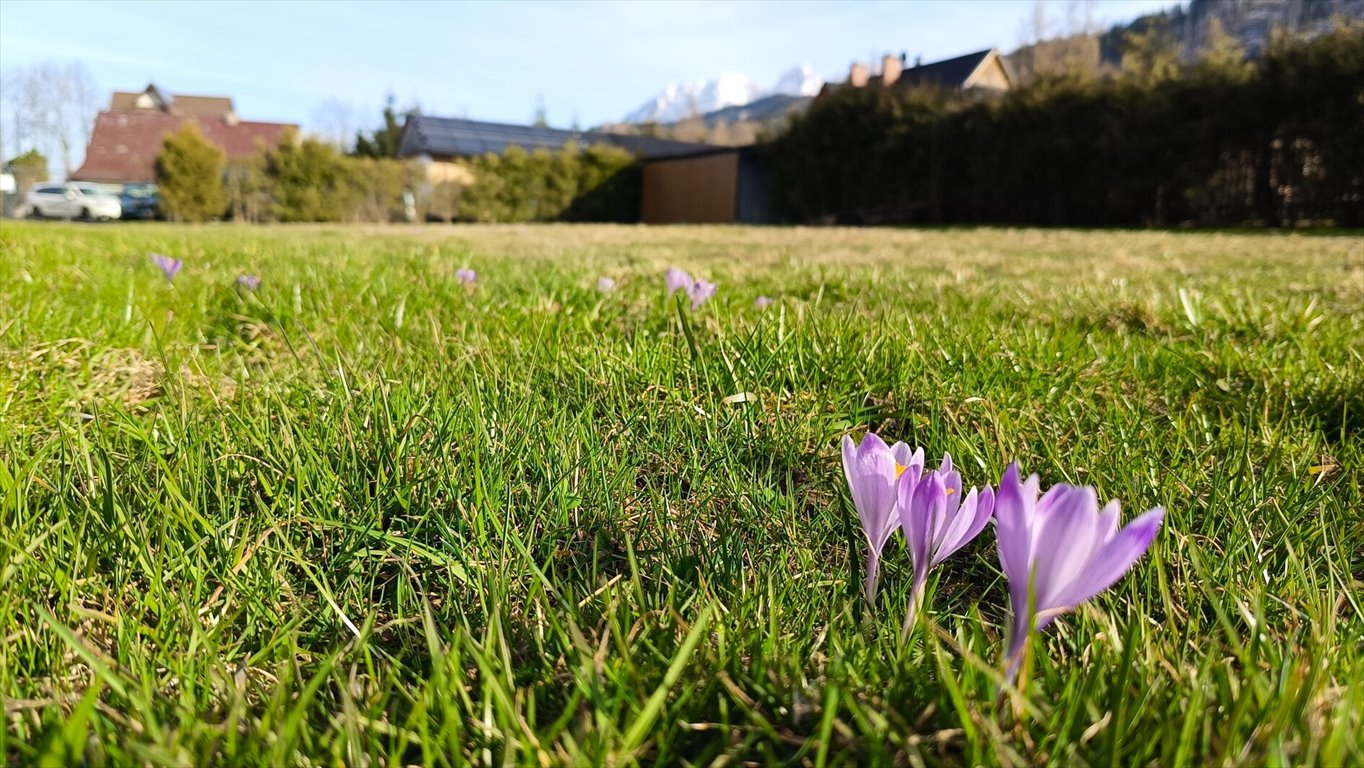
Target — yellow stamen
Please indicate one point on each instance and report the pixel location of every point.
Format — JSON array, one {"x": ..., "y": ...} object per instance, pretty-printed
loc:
[{"x": 900, "y": 469}]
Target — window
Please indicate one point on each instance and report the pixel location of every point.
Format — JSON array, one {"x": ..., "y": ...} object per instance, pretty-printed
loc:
[{"x": 49, "y": 191}]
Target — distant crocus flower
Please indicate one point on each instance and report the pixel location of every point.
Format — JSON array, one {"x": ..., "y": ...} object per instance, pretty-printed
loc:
[
  {"x": 677, "y": 280},
  {"x": 466, "y": 275},
  {"x": 248, "y": 282},
  {"x": 700, "y": 292},
  {"x": 168, "y": 266},
  {"x": 937, "y": 520},
  {"x": 605, "y": 285},
  {"x": 871, "y": 469},
  {"x": 1064, "y": 546},
  {"x": 763, "y": 302}
]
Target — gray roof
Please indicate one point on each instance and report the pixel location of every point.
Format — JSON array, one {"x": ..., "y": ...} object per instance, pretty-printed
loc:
[
  {"x": 457, "y": 137},
  {"x": 950, "y": 73}
]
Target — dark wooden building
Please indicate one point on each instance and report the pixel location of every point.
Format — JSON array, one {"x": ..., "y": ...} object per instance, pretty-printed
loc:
[{"x": 724, "y": 185}]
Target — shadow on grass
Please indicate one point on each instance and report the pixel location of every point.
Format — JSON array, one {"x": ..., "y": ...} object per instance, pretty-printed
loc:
[{"x": 1334, "y": 407}]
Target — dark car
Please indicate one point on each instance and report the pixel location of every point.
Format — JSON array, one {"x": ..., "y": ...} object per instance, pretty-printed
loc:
[{"x": 139, "y": 201}]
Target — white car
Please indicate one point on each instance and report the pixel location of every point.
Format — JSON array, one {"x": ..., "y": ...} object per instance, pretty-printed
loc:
[{"x": 73, "y": 201}]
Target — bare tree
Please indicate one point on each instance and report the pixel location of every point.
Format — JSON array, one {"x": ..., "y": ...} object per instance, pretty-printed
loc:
[
  {"x": 334, "y": 120},
  {"x": 53, "y": 105},
  {"x": 1038, "y": 26}
]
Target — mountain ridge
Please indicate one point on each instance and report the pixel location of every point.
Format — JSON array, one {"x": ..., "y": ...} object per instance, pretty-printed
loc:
[{"x": 730, "y": 90}]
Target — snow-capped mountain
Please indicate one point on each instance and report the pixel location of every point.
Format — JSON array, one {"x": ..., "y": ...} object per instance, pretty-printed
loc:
[
  {"x": 679, "y": 101},
  {"x": 682, "y": 100},
  {"x": 798, "y": 81}
]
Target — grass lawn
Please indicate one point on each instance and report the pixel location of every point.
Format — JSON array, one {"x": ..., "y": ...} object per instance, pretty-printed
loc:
[{"x": 369, "y": 516}]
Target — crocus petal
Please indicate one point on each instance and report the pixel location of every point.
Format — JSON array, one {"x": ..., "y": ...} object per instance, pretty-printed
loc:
[
  {"x": 676, "y": 280},
  {"x": 700, "y": 292},
  {"x": 932, "y": 499},
  {"x": 605, "y": 285},
  {"x": 1115, "y": 557},
  {"x": 870, "y": 469},
  {"x": 1067, "y": 536},
  {"x": 985, "y": 509},
  {"x": 1013, "y": 514},
  {"x": 915, "y": 511},
  {"x": 953, "y": 533},
  {"x": 168, "y": 266}
]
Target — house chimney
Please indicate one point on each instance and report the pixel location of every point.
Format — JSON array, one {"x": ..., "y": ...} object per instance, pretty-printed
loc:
[
  {"x": 890, "y": 70},
  {"x": 857, "y": 76}
]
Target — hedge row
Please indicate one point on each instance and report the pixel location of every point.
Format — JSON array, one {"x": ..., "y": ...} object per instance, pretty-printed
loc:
[{"x": 1278, "y": 141}]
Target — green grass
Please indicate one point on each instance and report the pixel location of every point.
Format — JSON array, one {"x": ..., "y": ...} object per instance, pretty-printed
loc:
[{"x": 367, "y": 517}]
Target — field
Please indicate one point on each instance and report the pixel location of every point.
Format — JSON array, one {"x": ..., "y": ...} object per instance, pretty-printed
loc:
[{"x": 369, "y": 515}]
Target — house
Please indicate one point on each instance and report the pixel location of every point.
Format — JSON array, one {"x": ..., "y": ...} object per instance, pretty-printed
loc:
[
  {"x": 439, "y": 143},
  {"x": 127, "y": 136},
  {"x": 980, "y": 73},
  {"x": 723, "y": 185}
]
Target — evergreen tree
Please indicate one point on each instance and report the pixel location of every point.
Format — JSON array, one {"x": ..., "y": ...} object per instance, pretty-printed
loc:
[
  {"x": 189, "y": 176},
  {"x": 382, "y": 142},
  {"x": 311, "y": 180}
]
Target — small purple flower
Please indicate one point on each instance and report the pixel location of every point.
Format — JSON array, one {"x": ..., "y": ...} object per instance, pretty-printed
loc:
[
  {"x": 1064, "y": 546},
  {"x": 763, "y": 302},
  {"x": 937, "y": 520},
  {"x": 168, "y": 266},
  {"x": 466, "y": 275},
  {"x": 677, "y": 280},
  {"x": 605, "y": 285},
  {"x": 700, "y": 292},
  {"x": 248, "y": 282},
  {"x": 872, "y": 469}
]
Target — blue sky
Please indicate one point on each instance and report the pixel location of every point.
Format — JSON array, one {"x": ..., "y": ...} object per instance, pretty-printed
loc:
[{"x": 593, "y": 61}]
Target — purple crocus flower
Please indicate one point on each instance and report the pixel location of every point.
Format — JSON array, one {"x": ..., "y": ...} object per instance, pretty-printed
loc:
[
  {"x": 872, "y": 469},
  {"x": 677, "y": 280},
  {"x": 168, "y": 266},
  {"x": 248, "y": 282},
  {"x": 1064, "y": 546},
  {"x": 937, "y": 520},
  {"x": 466, "y": 275},
  {"x": 700, "y": 292},
  {"x": 605, "y": 285},
  {"x": 763, "y": 302}
]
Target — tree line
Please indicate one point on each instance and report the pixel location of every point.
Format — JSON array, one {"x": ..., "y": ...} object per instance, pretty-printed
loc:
[
  {"x": 308, "y": 179},
  {"x": 1276, "y": 141}
]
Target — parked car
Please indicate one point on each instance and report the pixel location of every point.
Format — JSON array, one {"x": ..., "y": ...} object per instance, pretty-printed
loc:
[
  {"x": 72, "y": 201},
  {"x": 139, "y": 201}
]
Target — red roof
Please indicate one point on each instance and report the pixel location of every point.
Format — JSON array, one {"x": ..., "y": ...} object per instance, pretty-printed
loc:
[{"x": 124, "y": 144}]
